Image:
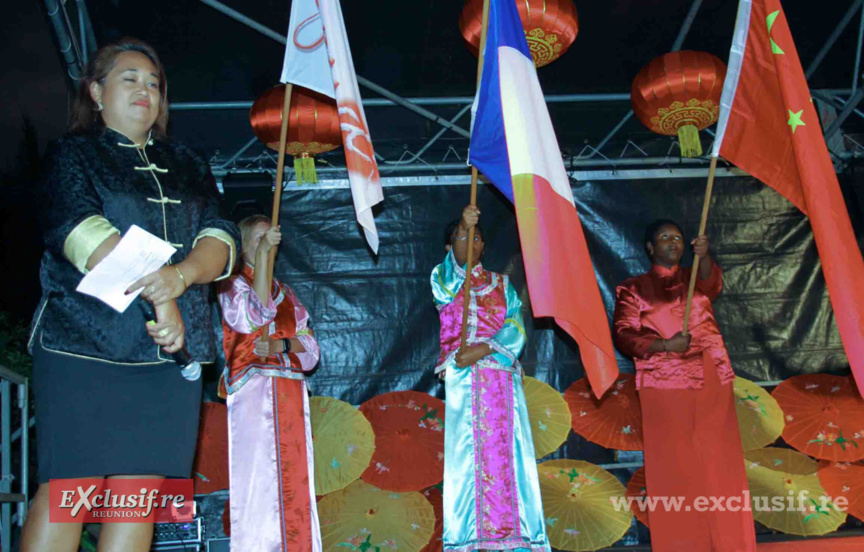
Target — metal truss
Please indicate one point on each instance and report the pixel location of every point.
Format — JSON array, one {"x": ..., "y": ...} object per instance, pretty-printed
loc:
[
  {"x": 639, "y": 155},
  {"x": 75, "y": 43}
]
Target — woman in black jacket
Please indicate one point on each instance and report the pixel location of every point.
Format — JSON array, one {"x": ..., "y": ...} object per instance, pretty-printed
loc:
[{"x": 110, "y": 402}]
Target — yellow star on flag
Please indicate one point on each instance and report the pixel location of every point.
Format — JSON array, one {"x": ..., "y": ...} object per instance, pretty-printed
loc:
[
  {"x": 795, "y": 120},
  {"x": 770, "y": 20}
]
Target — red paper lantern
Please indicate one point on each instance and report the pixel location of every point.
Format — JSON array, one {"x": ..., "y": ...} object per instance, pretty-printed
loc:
[
  {"x": 550, "y": 27},
  {"x": 679, "y": 93},
  {"x": 313, "y": 125}
]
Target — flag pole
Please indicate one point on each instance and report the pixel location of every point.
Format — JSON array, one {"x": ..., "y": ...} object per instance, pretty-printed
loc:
[
  {"x": 280, "y": 172},
  {"x": 694, "y": 272},
  {"x": 466, "y": 287}
]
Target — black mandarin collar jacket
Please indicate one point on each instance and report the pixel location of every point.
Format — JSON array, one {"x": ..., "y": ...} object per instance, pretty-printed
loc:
[{"x": 164, "y": 188}]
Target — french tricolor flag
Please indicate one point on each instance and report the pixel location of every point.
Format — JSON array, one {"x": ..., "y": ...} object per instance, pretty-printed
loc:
[{"x": 514, "y": 145}]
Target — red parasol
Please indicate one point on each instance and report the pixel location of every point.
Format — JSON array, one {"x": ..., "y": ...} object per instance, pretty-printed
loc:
[
  {"x": 435, "y": 496},
  {"x": 846, "y": 480},
  {"x": 824, "y": 416},
  {"x": 615, "y": 421},
  {"x": 409, "y": 441},
  {"x": 636, "y": 489},
  {"x": 210, "y": 468}
]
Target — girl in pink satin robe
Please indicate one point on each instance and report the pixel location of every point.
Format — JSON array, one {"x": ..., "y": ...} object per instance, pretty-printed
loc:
[
  {"x": 691, "y": 441},
  {"x": 268, "y": 347},
  {"x": 491, "y": 487}
]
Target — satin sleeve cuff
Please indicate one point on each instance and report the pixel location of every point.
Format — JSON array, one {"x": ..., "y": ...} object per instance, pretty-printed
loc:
[
  {"x": 242, "y": 310},
  {"x": 713, "y": 284},
  {"x": 447, "y": 279},
  {"x": 83, "y": 240},
  {"x": 628, "y": 334},
  {"x": 509, "y": 341},
  {"x": 309, "y": 358},
  {"x": 225, "y": 238}
]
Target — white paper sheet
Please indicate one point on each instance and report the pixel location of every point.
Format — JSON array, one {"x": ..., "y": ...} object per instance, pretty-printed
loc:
[{"x": 138, "y": 254}]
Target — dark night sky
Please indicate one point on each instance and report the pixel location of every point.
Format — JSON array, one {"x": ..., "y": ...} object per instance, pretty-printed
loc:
[
  {"x": 413, "y": 48},
  {"x": 32, "y": 78}
]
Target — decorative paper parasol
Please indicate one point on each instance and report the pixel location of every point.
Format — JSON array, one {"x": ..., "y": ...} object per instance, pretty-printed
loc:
[
  {"x": 824, "y": 416},
  {"x": 615, "y": 421},
  {"x": 436, "y": 498},
  {"x": 577, "y": 501},
  {"x": 210, "y": 467},
  {"x": 409, "y": 440},
  {"x": 760, "y": 419},
  {"x": 846, "y": 480},
  {"x": 636, "y": 489},
  {"x": 549, "y": 415},
  {"x": 787, "y": 495},
  {"x": 343, "y": 443},
  {"x": 366, "y": 518}
]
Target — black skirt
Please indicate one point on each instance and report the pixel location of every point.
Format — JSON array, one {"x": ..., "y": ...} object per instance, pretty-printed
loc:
[{"x": 96, "y": 418}]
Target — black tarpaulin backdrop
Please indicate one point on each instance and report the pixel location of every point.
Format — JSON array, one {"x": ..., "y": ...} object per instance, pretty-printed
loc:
[{"x": 378, "y": 328}]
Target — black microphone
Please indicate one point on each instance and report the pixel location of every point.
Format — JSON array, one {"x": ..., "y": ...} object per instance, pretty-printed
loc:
[{"x": 189, "y": 368}]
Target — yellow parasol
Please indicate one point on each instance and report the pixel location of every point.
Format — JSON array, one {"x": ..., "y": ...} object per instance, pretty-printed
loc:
[
  {"x": 343, "y": 443},
  {"x": 578, "y": 505},
  {"x": 366, "y": 518},
  {"x": 760, "y": 419},
  {"x": 549, "y": 415},
  {"x": 787, "y": 495}
]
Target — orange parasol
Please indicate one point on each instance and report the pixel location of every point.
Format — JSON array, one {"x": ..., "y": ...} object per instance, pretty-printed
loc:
[
  {"x": 210, "y": 467},
  {"x": 366, "y": 518},
  {"x": 636, "y": 489},
  {"x": 787, "y": 495},
  {"x": 760, "y": 419},
  {"x": 343, "y": 443},
  {"x": 409, "y": 440},
  {"x": 824, "y": 416},
  {"x": 549, "y": 416},
  {"x": 846, "y": 480},
  {"x": 615, "y": 421},
  {"x": 578, "y": 505},
  {"x": 436, "y": 498}
]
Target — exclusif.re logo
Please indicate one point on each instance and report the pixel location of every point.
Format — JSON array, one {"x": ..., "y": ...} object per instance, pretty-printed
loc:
[{"x": 121, "y": 500}]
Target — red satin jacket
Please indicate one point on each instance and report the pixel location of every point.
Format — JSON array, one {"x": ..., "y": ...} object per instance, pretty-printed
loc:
[
  {"x": 246, "y": 319},
  {"x": 651, "y": 306}
]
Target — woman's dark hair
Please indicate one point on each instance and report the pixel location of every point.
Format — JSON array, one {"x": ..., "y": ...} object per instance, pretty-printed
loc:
[
  {"x": 453, "y": 227},
  {"x": 655, "y": 227},
  {"x": 84, "y": 114}
]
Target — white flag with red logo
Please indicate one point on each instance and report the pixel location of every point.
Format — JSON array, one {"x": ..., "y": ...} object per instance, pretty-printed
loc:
[{"x": 317, "y": 57}]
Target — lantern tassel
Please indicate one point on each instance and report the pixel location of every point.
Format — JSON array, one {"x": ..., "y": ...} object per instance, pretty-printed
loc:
[
  {"x": 304, "y": 168},
  {"x": 688, "y": 139}
]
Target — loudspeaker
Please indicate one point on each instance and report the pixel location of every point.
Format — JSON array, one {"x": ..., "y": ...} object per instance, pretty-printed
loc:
[{"x": 248, "y": 194}]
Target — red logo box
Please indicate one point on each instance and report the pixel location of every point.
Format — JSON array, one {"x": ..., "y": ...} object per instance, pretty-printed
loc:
[{"x": 120, "y": 500}]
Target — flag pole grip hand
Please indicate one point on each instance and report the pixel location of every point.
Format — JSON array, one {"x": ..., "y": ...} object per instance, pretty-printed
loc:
[
  {"x": 474, "y": 174},
  {"x": 694, "y": 272}
]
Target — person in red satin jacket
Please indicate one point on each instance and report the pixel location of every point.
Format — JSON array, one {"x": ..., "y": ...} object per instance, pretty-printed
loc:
[{"x": 692, "y": 445}]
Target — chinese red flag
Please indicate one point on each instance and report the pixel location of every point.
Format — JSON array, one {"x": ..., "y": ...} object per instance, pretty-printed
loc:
[{"x": 768, "y": 127}]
